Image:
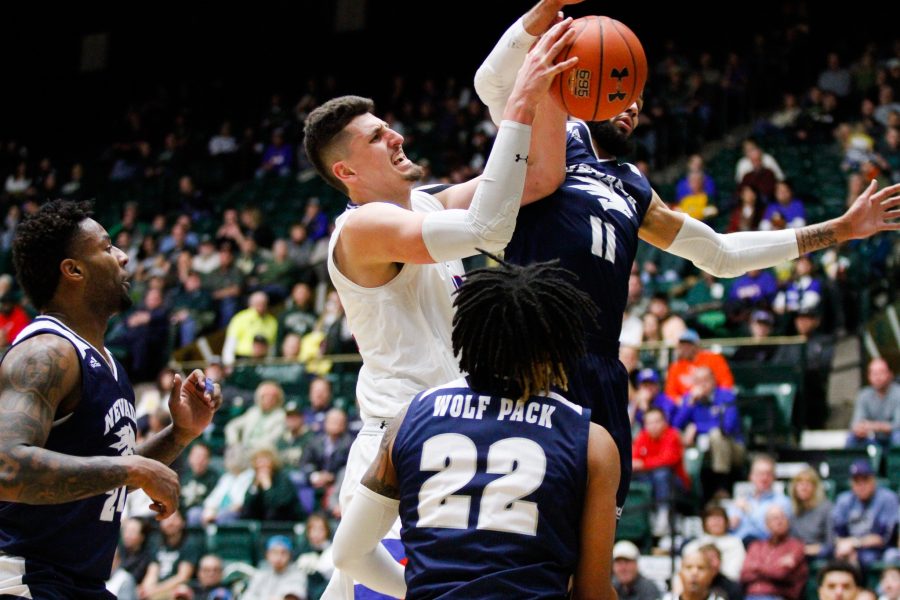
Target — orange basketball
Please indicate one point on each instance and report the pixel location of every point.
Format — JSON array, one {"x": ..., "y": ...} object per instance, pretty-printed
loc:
[{"x": 610, "y": 73}]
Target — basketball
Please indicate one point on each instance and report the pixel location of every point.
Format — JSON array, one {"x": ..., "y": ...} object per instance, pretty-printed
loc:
[{"x": 610, "y": 73}]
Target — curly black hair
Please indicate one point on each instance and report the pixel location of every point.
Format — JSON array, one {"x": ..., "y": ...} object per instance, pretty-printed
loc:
[
  {"x": 42, "y": 241},
  {"x": 324, "y": 125},
  {"x": 517, "y": 330}
]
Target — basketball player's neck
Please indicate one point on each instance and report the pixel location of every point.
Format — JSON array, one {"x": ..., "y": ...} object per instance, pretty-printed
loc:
[
  {"x": 600, "y": 152},
  {"x": 401, "y": 198},
  {"x": 82, "y": 320}
]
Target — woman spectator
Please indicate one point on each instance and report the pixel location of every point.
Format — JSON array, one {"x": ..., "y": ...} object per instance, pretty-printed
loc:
[
  {"x": 715, "y": 531},
  {"x": 811, "y": 520},
  {"x": 271, "y": 496},
  {"x": 224, "y": 503},
  {"x": 749, "y": 211},
  {"x": 315, "y": 555}
]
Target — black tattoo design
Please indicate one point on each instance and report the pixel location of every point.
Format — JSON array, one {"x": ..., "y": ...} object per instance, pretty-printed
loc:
[{"x": 815, "y": 237}]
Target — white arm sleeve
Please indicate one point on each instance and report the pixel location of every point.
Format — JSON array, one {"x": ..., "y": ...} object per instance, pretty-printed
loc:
[
  {"x": 357, "y": 548},
  {"x": 491, "y": 217},
  {"x": 495, "y": 78},
  {"x": 733, "y": 254}
]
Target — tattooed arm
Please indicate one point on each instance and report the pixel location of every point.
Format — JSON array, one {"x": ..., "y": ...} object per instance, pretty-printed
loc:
[
  {"x": 37, "y": 377},
  {"x": 372, "y": 511}
]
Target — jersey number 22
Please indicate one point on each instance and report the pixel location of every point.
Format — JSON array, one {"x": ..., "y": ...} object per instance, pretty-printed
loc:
[{"x": 520, "y": 462}]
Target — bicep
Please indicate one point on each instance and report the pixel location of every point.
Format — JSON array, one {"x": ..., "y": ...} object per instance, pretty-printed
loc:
[
  {"x": 598, "y": 523},
  {"x": 381, "y": 233},
  {"x": 35, "y": 378},
  {"x": 661, "y": 224}
]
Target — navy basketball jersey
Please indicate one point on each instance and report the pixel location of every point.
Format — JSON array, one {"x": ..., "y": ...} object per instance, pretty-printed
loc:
[
  {"x": 491, "y": 493},
  {"x": 591, "y": 224},
  {"x": 76, "y": 539}
]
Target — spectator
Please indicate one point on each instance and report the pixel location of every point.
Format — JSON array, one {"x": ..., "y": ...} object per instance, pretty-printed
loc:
[
  {"x": 279, "y": 577},
  {"x": 689, "y": 358},
  {"x": 787, "y": 212},
  {"x": 650, "y": 395},
  {"x": 298, "y": 316},
  {"x": 865, "y": 517},
  {"x": 225, "y": 501},
  {"x": 657, "y": 457},
  {"x": 224, "y": 142},
  {"x": 315, "y": 221},
  {"x": 121, "y": 583},
  {"x": 271, "y": 496},
  {"x": 13, "y": 319},
  {"x": 192, "y": 309},
  {"x": 723, "y": 586},
  {"x": 811, "y": 411},
  {"x": 839, "y": 580},
  {"x": 326, "y": 454},
  {"x": 671, "y": 326},
  {"x": 747, "y": 514},
  {"x": 811, "y": 520},
  {"x": 748, "y": 213},
  {"x": 145, "y": 334},
  {"x": 775, "y": 567},
  {"x": 803, "y": 291},
  {"x": 761, "y": 324},
  {"x": 745, "y": 164},
  {"x": 835, "y": 78},
  {"x": 715, "y": 531},
  {"x": 209, "y": 584},
  {"x": 174, "y": 559},
  {"x": 207, "y": 258},
  {"x": 695, "y": 165},
  {"x": 627, "y": 580},
  {"x": 225, "y": 283},
  {"x": 319, "y": 403},
  {"x": 246, "y": 325},
  {"x": 755, "y": 289},
  {"x": 315, "y": 555},
  {"x": 697, "y": 202},
  {"x": 278, "y": 157},
  {"x": 696, "y": 579},
  {"x": 197, "y": 481},
  {"x": 134, "y": 549},
  {"x": 263, "y": 423},
  {"x": 275, "y": 275},
  {"x": 876, "y": 413},
  {"x": 890, "y": 583},
  {"x": 709, "y": 418}
]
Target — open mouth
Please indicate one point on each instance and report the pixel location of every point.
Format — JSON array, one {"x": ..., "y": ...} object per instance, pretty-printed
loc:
[
  {"x": 399, "y": 159},
  {"x": 624, "y": 123}
]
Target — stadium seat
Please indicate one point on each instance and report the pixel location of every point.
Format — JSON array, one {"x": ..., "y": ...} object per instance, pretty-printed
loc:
[
  {"x": 634, "y": 525},
  {"x": 235, "y": 542}
]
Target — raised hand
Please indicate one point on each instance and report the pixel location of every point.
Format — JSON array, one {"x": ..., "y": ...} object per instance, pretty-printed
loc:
[
  {"x": 874, "y": 211},
  {"x": 192, "y": 403}
]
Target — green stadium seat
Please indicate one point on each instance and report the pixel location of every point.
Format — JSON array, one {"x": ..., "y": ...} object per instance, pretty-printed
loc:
[
  {"x": 634, "y": 525},
  {"x": 235, "y": 542}
]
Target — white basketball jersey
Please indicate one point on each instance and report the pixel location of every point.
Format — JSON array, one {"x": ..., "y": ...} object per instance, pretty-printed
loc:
[{"x": 402, "y": 328}]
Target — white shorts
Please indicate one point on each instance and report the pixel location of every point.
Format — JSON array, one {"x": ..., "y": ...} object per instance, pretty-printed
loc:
[{"x": 362, "y": 453}]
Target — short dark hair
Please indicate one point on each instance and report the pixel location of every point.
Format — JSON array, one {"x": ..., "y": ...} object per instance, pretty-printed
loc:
[
  {"x": 42, "y": 241},
  {"x": 839, "y": 566},
  {"x": 656, "y": 409},
  {"x": 517, "y": 330},
  {"x": 324, "y": 124}
]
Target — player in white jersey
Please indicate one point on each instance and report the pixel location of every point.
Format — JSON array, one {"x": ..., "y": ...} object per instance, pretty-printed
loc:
[{"x": 395, "y": 253}]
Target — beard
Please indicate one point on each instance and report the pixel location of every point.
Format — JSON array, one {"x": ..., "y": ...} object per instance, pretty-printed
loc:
[
  {"x": 125, "y": 302},
  {"x": 416, "y": 173},
  {"x": 610, "y": 138}
]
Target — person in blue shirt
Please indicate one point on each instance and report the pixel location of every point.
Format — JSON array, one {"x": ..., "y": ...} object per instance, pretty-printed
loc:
[
  {"x": 650, "y": 395},
  {"x": 504, "y": 488},
  {"x": 709, "y": 417},
  {"x": 67, "y": 422},
  {"x": 864, "y": 517}
]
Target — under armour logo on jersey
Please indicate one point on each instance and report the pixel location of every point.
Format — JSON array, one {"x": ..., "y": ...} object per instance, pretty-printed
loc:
[
  {"x": 94, "y": 363},
  {"x": 520, "y": 157},
  {"x": 383, "y": 425}
]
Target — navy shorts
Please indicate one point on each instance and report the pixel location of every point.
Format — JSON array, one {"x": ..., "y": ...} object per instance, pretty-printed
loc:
[{"x": 600, "y": 382}]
